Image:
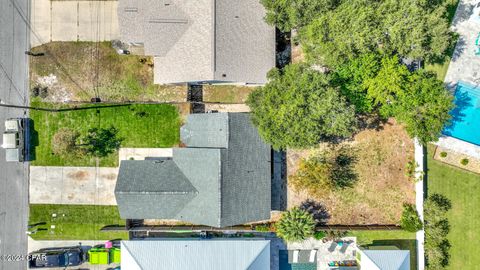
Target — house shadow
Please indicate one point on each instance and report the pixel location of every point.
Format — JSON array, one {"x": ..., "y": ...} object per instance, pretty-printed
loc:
[
  {"x": 279, "y": 181},
  {"x": 397, "y": 244}
]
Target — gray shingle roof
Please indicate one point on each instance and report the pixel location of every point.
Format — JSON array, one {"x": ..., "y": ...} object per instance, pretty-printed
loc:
[
  {"x": 201, "y": 40},
  {"x": 221, "y": 179}
]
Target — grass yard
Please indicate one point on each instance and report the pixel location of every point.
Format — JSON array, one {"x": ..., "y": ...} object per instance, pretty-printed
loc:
[
  {"x": 139, "y": 126},
  {"x": 463, "y": 189},
  {"x": 226, "y": 93},
  {"x": 380, "y": 239},
  {"x": 75, "y": 222},
  {"x": 382, "y": 186},
  {"x": 79, "y": 71}
]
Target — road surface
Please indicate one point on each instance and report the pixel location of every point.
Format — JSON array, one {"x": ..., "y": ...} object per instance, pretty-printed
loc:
[{"x": 14, "y": 41}]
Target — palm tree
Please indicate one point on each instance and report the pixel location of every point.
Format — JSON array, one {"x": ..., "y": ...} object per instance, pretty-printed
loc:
[{"x": 295, "y": 225}]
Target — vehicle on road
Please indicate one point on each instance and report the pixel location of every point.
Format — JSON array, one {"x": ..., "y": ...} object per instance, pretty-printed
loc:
[
  {"x": 14, "y": 140},
  {"x": 57, "y": 257}
]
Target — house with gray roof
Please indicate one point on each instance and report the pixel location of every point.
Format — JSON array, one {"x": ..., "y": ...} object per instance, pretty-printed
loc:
[
  {"x": 212, "y": 41},
  {"x": 181, "y": 254},
  {"x": 221, "y": 178}
]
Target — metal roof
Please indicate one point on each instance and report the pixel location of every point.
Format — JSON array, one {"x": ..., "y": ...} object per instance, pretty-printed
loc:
[
  {"x": 387, "y": 259},
  {"x": 195, "y": 254}
]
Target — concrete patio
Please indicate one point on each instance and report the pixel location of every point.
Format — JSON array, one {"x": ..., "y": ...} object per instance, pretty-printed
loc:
[
  {"x": 465, "y": 65},
  {"x": 328, "y": 251}
]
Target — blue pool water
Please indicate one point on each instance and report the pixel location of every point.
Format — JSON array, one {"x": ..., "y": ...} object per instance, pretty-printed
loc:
[{"x": 466, "y": 116}]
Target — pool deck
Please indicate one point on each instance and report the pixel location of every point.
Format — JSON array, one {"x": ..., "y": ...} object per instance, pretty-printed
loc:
[
  {"x": 464, "y": 66},
  {"x": 459, "y": 146}
]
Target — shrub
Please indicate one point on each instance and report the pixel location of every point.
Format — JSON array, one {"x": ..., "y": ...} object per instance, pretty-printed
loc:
[
  {"x": 295, "y": 225},
  {"x": 443, "y": 154},
  {"x": 410, "y": 221},
  {"x": 437, "y": 228},
  {"x": 64, "y": 142},
  {"x": 262, "y": 228},
  {"x": 327, "y": 170},
  {"x": 464, "y": 161},
  {"x": 319, "y": 235},
  {"x": 335, "y": 235}
]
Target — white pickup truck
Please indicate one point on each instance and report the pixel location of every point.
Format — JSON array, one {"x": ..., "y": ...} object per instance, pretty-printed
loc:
[{"x": 14, "y": 140}]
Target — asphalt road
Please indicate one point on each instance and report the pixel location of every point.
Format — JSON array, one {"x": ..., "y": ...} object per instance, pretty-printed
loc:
[{"x": 14, "y": 41}]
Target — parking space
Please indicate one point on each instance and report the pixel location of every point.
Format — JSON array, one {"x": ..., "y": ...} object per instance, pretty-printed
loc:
[
  {"x": 72, "y": 185},
  {"x": 73, "y": 21}
]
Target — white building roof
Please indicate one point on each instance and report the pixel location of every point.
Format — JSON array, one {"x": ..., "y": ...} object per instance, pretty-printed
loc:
[
  {"x": 195, "y": 254},
  {"x": 385, "y": 259}
]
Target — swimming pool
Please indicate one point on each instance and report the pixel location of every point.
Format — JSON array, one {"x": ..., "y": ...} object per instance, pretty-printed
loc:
[{"x": 466, "y": 116}]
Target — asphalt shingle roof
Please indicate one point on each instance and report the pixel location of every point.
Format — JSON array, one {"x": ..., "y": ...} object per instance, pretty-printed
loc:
[
  {"x": 226, "y": 182},
  {"x": 389, "y": 259},
  {"x": 201, "y": 40}
]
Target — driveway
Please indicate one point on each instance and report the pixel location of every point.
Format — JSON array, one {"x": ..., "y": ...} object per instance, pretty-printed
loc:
[
  {"x": 465, "y": 65},
  {"x": 73, "y": 21},
  {"x": 73, "y": 185}
]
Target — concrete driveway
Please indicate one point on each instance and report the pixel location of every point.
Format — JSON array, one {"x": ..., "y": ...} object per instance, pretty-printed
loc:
[
  {"x": 73, "y": 185},
  {"x": 73, "y": 21},
  {"x": 465, "y": 65}
]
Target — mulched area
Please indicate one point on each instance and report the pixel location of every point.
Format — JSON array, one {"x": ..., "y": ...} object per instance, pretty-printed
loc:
[{"x": 453, "y": 158}]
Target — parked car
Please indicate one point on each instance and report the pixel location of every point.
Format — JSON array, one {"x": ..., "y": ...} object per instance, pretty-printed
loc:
[
  {"x": 13, "y": 140},
  {"x": 57, "y": 257}
]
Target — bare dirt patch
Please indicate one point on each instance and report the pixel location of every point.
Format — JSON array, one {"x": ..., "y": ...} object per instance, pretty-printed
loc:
[
  {"x": 78, "y": 71},
  {"x": 382, "y": 185},
  {"x": 226, "y": 93}
]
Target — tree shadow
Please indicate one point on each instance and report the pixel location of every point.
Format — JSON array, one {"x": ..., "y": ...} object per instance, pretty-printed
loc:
[
  {"x": 318, "y": 211},
  {"x": 462, "y": 102},
  {"x": 463, "y": 12},
  {"x": 459, "y": 48},
  {"x": 343, "y": 173}
]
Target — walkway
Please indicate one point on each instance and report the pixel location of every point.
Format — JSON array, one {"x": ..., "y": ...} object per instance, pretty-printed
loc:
[
  {"x": 73, "y": 21},
  {"x": 73, "y": 185},
  {"x": 465, "y": 65}
]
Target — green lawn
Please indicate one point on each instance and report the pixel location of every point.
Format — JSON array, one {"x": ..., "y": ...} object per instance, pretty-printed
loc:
[
  {"x": 139, "y": 126},
  {"x": 380, "y": 239},
  {"x": 463, "y": 189},
  {"x": 75, "y": 222}
]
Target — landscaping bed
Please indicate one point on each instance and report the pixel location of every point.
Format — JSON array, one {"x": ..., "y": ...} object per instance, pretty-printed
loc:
[
  {"x": 459, "y": 160},
  {"x": 382, "y": 185},
  {"x": 462, "y": 189},
  {"x": 75, "y": 222},
  {"x": 139, "y": 125},
  {"x": 78, "y": 71}
]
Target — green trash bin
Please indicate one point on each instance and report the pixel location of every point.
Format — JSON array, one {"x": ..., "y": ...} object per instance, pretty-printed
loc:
[
  {"x": 115, "y": 255},
  {"x": 98, "y": 256}
]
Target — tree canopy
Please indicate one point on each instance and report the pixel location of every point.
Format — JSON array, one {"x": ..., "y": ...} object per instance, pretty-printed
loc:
[
  {"x": 299, "y": 107},
  {"x": 412, "y": 29},
  {"x": 410, "y": 221},
  {"x": 101, "y": 142},
  {"x": 289, "y": 14}
]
